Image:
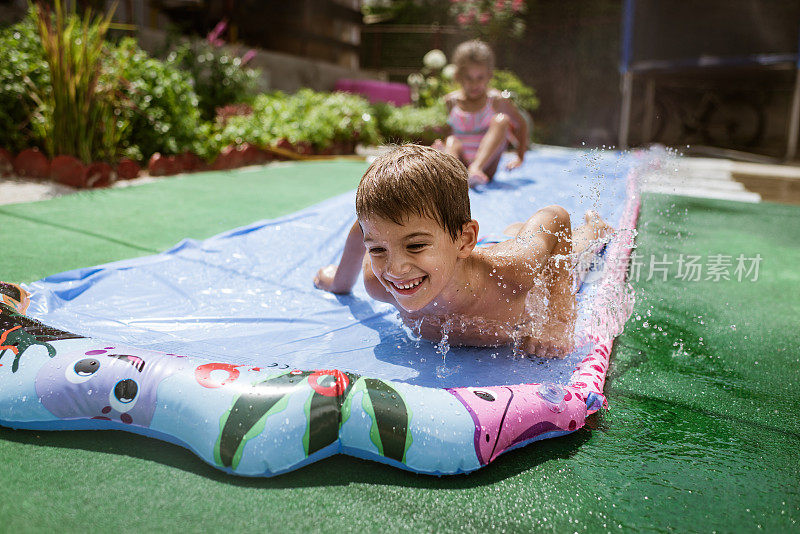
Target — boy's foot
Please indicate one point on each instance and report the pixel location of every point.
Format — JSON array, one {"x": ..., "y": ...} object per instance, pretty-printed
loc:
[
  {"x": 599, "y": 226},
  {"x": 543, "y": 349},
  {"x": 438, "y": 145}
]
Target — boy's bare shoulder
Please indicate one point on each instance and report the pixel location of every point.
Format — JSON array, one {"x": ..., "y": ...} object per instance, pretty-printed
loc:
[
  {"x": 497, "y": 266},
  {"x": 504, "y": 263}
]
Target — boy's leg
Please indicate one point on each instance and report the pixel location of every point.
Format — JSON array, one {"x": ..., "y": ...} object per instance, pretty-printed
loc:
[
  {"x": 583, "y": 237},
  {"x": 491, "y": 148},
  {"x": 555, "y": 246}
]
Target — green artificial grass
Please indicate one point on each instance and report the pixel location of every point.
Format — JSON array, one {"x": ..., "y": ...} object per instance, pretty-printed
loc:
[
  {"x": 701, "y": 434},
  {"x": 105, "y": 225}
]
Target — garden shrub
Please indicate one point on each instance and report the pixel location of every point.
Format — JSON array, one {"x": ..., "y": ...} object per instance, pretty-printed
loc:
[
  {"x": 522, "y": 95},
  {"x": 158, "y": 102},
  {"x": 320, "y": 119},
  {"x": 22, "y": 67},
  {"x": 410, "y": 124}
]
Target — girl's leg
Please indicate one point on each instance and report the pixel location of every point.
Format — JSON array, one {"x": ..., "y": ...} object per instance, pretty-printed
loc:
[
  {"x": 451, "y": 145},
  {"x": 489, "y": 151},
  {"x": 454, "y": 147}
]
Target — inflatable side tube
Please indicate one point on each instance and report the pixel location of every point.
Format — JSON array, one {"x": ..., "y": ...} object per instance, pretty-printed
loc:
[{"x": 262, "y": 421}]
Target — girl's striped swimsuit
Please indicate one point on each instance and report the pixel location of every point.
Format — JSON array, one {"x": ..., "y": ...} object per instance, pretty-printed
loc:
[{"x": 470, "y": 127}]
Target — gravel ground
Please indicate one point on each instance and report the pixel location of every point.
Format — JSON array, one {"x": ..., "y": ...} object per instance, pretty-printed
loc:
[{"x": 14, "y": 189}]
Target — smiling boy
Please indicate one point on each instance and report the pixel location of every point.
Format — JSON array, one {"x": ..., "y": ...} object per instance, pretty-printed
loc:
[{"x": 422, "y": 257}]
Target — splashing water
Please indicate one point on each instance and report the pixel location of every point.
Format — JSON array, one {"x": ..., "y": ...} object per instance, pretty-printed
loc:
[
  {"x": 443, "y": 347},
  {"x": 603, "y": 309}
]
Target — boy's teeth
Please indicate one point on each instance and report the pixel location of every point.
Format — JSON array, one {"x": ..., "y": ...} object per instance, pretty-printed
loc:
[{"x": 410, "y": 284}]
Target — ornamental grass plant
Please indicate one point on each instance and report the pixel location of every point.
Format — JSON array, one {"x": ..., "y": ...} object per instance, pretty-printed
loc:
[{"x": 77, "y": 114}]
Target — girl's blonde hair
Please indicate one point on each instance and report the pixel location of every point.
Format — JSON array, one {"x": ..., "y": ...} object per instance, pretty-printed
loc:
[{"x": 473, "y": 52}]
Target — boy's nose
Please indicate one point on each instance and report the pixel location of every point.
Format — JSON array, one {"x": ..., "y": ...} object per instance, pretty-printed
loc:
[{"x": 397, "y": 266}]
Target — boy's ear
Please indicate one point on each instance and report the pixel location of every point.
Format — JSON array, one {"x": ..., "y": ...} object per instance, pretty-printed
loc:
[{"x": 468, "y": 238}]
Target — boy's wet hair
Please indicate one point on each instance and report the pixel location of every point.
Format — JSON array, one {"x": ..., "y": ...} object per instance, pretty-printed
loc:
[
  {"x": 416, "y": 180},
  {"x": 473, "y": 52}
]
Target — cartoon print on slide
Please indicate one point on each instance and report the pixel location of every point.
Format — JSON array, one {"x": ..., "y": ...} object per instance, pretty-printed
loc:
[
  {"x": 389, "y": 413},
  {"x": 103, "y": 384},
  {"x": 505, "y": 416},
  {"x": 328, "y": 392},
  {"x": 18, "y": 333},
  {"x": 14, "y": 296}
]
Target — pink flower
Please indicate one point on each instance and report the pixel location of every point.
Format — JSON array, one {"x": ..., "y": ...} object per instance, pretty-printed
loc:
[
  {"x": 484, "y": 17},
  {"x": 214, "y": 35},
  {"x": 250, "y": 54},
  {"x": 517, "y": 5},
  {"x": 500, "y": 5},
  {"x": 465, "y": 18}
]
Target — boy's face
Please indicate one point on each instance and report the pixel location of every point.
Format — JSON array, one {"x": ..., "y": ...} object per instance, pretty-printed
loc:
[
  {"x": 414, "y": 261},
  {"x": 474, "y": 80}
]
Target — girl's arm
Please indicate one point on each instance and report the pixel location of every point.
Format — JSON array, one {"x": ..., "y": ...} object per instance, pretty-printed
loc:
[
  {"x": 341, "y": 279},
  {"x": 520, "y": 126},
  {"x": 450, "y": 100}
]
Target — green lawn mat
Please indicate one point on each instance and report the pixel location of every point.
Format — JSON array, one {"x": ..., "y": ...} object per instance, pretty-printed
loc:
[
  {"x": 698, "y": 437},
  {"x": 115, "y": 224}
]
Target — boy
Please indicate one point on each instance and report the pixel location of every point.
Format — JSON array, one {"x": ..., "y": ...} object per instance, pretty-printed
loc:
[{"x": 421, "y": 257}]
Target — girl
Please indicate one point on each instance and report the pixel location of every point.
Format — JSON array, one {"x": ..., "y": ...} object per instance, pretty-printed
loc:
[{"x": 481, "y": 119}]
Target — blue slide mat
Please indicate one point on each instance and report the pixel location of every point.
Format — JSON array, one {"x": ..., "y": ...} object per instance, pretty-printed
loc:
[
  {"x": 246, "y": 296},
  {"x": 225, "y": 347}
]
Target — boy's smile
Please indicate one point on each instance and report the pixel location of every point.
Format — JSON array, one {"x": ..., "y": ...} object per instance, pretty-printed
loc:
[
  {"x": 414, "y": 261},
  {"x": 408, "y": 287}
]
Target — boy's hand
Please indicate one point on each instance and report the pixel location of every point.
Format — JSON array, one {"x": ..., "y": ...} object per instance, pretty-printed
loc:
[
  {"x": 514, "y": 163},
  {"x": 324, "y": 280}
]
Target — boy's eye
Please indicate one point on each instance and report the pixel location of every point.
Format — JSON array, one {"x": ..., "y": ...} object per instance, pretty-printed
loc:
[
  {"x": 416, "y": 246},
  {"x": 376, "y": 250}
]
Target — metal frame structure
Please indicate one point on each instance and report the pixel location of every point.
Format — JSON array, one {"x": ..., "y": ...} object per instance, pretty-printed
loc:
[{"x": 629, "y": 69}]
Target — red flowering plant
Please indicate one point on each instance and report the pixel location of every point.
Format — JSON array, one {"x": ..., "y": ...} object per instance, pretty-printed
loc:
[{"x": 490, "y": 19}]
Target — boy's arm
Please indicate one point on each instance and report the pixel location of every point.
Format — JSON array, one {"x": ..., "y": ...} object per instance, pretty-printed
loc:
[{"x": 341, "y": 279}]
